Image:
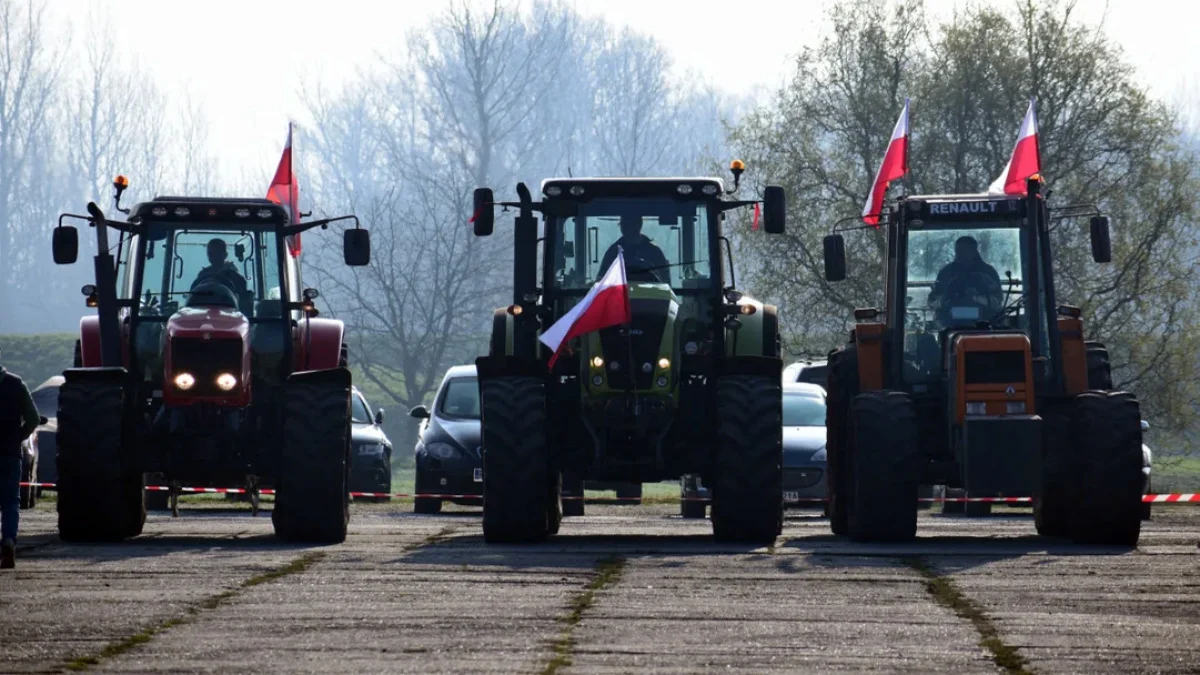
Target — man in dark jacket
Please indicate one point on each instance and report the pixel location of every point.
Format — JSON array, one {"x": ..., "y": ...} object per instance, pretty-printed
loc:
[
  {"x": 19, "y": 418},
  {"x": 642, "y": 256},
  {"x": 969, "y": 280}
]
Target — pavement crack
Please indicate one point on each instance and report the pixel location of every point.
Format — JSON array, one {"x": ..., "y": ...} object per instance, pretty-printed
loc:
[
  {"x": 118, "y": 647},
  {"x": 608, "y": 573},
  {"x": 946, "y": 593}
]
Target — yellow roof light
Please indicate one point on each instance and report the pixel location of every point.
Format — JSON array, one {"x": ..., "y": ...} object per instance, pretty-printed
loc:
[
  {"x": 121, "y": 182},
  {"x": 737, "y": 165}
]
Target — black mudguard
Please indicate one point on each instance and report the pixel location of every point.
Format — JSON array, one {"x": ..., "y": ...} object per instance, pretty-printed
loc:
[
  {"x": 766, "y": 366},
  {"x": 488, "y": 367},
  {"x": 114, "y": 374},
  {"x": 332, "y": 376}
]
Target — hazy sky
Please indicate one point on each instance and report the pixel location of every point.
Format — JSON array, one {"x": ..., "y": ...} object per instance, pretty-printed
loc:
[{"x": 247, "y": 59}]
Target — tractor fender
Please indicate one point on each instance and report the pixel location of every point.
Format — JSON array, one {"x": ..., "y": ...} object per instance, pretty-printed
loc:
[
  {"x": 501, "y": 343},
  {"x": 758, "y": 333},
  {"x": 89, "y": 341},
  {"x": 317, "y": 344}
]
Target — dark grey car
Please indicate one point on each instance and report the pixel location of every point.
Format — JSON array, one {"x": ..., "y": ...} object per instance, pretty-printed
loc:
[
  {"x": 448, "y": 455},
  {"x": 371, "y": 451}
]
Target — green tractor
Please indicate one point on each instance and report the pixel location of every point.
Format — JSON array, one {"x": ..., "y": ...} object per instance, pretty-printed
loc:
[{"x": 691, "y": 385}]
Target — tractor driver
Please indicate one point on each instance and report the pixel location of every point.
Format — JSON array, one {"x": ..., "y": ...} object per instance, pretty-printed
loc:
[
  {"x": 966, "y": 279},
  {"x": 642, "y": 256},
  {"x": 221, "y": 270}
]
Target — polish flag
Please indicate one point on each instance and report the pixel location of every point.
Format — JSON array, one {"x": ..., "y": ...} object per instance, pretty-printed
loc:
[
  {"x": 1025, "y": 160},
  {"x": 285, "y": 191},
  {"x": 894, "y": 165},
  {"x": 607, "y": 304}
]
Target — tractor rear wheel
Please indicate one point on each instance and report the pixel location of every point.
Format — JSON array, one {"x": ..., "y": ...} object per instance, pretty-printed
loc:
[
  {"x": 883, "y": 467},
  {"x": 954, "y": 508},
  {"x": 692, "y": 508},
  {"x": 1106, "y": 504},
  {"x": 516, "y": 460},
  {"x": 1051, "y": 497},
  {"x": 572, "y": 491},
  {"x": 842, "y": 386},
  {"x": 1099, "y": 370},
  {"x": 98, "y": 498},
  {"x": 747, "y": 492},
  {"x": 312, "y": 502}
]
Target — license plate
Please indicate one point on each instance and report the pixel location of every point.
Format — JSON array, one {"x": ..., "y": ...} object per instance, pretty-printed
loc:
[
  {"x": 791, "y": 496},
  {"x": 478, "y": 475}
]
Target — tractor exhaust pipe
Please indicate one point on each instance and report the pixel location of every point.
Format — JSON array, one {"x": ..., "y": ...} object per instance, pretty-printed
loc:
[{"x": 106, "y": 292}]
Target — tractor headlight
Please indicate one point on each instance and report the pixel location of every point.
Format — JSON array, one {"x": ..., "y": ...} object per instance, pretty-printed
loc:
[
  {"x": 226, "y": 382},
  {"x": 597, "y": 361},
  {"x": 185, "y": 381},
  {"x": 664, "y": 363},
  {"x": 1015, "y": 407},
  {"x": 977, "y": 408},
  {"x": 441, "y": 451}
]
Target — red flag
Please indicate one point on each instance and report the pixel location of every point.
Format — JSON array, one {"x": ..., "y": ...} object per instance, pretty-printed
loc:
[
  {"x": 607, "y": 304},
  {"x": 1025, "y": 160},
  {"x": 285, "y": 191},
  {"x": 757, "y": 212},
  {"x": 894, "y": 165}
]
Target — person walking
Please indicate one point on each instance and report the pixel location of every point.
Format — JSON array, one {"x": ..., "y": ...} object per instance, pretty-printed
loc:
[{"x": 19, "y": 418}]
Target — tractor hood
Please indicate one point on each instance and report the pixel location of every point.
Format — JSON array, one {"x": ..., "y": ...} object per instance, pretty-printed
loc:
[
  {"x": 206, "y": 358},
  {"x": 654, "y": 308}
]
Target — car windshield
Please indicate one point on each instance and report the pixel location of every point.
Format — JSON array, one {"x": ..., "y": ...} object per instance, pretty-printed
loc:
[
  {"x": 178, "y": 259},
  {"x": 461, "y": 399},
  {"x": 803, "y": 410},
  {"x": 359, "y": 412},
  {"x": 664, "y": 240}
]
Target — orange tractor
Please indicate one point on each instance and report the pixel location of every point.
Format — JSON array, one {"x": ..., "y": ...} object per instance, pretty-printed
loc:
[{"x": 973, "y": 377}]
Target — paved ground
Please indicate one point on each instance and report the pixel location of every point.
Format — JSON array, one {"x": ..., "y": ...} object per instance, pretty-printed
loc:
[{"x": 623, "y": 589}]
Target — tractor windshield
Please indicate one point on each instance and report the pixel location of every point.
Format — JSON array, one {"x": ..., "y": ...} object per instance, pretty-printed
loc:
[
  {"x": 179, "y": 264},
  {"x": 664, "y": 240},
  {"x": 958, "y": 276}
]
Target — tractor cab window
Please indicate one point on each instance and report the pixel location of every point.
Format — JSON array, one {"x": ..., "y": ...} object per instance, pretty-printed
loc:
[
  {"x": 230, "y": 267},
  {"x": 958, "y": 277},
  {"x": 664, "y": 240}
]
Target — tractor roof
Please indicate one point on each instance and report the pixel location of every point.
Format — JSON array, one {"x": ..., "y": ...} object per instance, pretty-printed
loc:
[
  {"x": 611, "y": 187},
  {"x": 250, "y": 210}
]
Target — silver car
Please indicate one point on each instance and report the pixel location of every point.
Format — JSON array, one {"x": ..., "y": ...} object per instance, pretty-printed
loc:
[{"x": 804, "y": 465}]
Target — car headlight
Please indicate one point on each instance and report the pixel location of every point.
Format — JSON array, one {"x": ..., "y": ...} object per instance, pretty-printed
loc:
[
  {"x": 819, "y": 456},
  {"x": 441, "y": 450},
  {"x": 371, "y": 450}
]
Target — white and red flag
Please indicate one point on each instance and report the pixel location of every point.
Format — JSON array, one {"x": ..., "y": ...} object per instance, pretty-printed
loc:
[
  {"x": 894, "y": 165},
  {"x": 285, "y": 191},
  {"x": 1025, "y": 161},
  {"x": 607, "y": 304}
]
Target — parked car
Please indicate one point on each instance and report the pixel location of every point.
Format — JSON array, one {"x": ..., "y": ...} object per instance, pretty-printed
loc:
[
  {"x": 804, "y": 463},
  {"x": 448, "y": 455},
  {"x": 1147, "y": 460},
  {"x": 812, "y": 372},
  {"x": 371, "y": 451},
  {"x": 45, "y": 397},
  {"x": 29, "y": 468}
]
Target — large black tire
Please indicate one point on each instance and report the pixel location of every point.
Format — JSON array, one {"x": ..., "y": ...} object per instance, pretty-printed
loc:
[
  {"x": 630, "y": 494},
  {"x": 954, "y": 508},
  {"x": 427, "y": 505},
  {"x": 1099, "y": 370},
  {"x": 312, "y": 500},
  {"x": 1106, "y": 449},
  {"x": 516, "y": 460},
  {"x": 99, "y": 499},
  {"x": 884, "y": 468},
  {"x": 747, "y": 492},
  {"x": 841, "y": 386},
  {"x": 572, "y": 490},
  {"x": 692, "y": 508},
  {"x": 1051, "y": 496}
]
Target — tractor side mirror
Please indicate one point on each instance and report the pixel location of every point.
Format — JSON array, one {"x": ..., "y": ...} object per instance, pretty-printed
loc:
[
  {"x": 44, "y": 420},
  {"x": 1145, "y": 425},
  {"x": 774, "y": 210},
  {"x": 420, "y": 412},
  {"x": 66, "y": 244},
  {"x": 356, "y": 247},
  {"x": 1101, "y": 240},
  {"x": 835, "y": 257},
  {"x": 483, "y": 216},
  {"x": 379, "y": 416}
]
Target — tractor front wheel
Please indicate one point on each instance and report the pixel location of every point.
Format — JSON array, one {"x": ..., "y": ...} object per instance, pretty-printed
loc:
[
  {"x": 1106, "y": 504},
  {"x": 883, "y": 468},
  {"x": 747, "y": 492},
  {"x": 842, "y": 385},
  {"x": 516, "y": 460},
  {"x": 312, "y": 502},
  {"x": 99, "y": 499}
]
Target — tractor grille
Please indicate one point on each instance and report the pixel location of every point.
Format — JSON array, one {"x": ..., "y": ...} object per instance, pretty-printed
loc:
[
  {"x": 649, "y": 321},
  {"x": 205, "y": 360},
  {"x": 994, "y": 367}
]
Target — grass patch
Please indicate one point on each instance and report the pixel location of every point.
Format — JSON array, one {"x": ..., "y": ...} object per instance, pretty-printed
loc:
[
  {"x": 608, "y": 573},
  {"x": 945, "y": 593},
  {"x": 134, "y": 641}
]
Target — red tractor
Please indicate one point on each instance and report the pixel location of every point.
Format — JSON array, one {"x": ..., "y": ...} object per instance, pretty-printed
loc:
[{"x": 204, "y": 363}]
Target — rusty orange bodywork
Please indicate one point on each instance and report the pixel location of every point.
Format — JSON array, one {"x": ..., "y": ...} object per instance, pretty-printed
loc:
[
  {"x": 1070, "y": 330},
  {"x": 994, "y": 395},
  {"x": 868, "y": 337}
]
